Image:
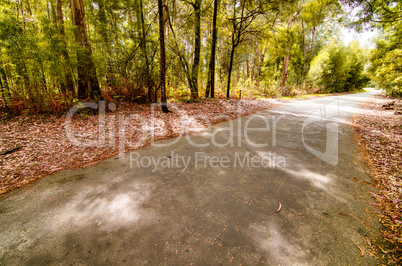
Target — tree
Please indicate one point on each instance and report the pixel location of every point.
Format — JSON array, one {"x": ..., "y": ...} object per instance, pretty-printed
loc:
[
  {"x": 143, "y": 44},
  {"x": 375, "y": 12},
  {"x": 88, "y": 85},
  {"x": 191, "y": 69},
  {"x": 210, "y": 90},
  {"x": 292, "y": 18},
  {"x": 338, "y": 69},
  {"x": 244, "y": 14},
  {"x": 386, "y": 62},
  {"x": 59, "y": 23},
  {"x": 197, "y": 49},
  {"x": 162, "y": 18}
]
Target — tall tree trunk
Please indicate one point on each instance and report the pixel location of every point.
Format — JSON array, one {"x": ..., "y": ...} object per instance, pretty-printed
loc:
[
  {"x": 103, "y": 31},
  {"x": 43, "y": 73},
  {"x": 211, "y": 72},
  {"x": 22, "y": 69},
  {"x": 304, "y": 51},
  {"x": 143, "y": 44},
  {"x": 232, "y": 51},
  {"x": 285, "y": 67},
  {"x": 161, "y": 10},
  {"x": 88, "y": 85},
  {"x": 312, "y": 41},
  {"x": 2, "y": 90},
  {"x": 69, "y": 80},
  {"x": 286, "y": 59},
  {"x": 230, "y": 71},
  {"x": 6, "y": 89},
  {"x": 253, "y": 68},
  {"x": 197, "y": 49},
  {"x": 259, "y": 61}
]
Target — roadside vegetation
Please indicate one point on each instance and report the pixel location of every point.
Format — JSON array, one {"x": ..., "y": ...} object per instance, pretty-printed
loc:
[
  {"x": 379, "y": 131},
  {"x": 54, "y": 54},
  {"x": 379, "y": 123}
]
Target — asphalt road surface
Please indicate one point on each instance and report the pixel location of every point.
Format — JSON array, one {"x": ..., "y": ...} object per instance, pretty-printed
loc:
[{"x": 286, "y": 186}]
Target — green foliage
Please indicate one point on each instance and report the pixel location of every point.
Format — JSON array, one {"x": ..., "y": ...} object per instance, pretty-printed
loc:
[
  {"x": 386, "y": 60},
  {"x": 338, "y": 69},
  {"x": 375, "y": 13},
  {"x": 40, "y": 56}
]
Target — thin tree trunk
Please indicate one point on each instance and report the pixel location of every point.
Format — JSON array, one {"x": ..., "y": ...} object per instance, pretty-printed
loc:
[
  {"x": 232, "y": 51},
  {"x": 88, "y": 85},
  {"x": 304, "y": 51},
  {"x": 143, "y": 44},
  {"x": 211, "y": 71},
  {"x": 69, "y": 80},
  {"x": 4, "y": 93},
  {"x": 253, "y": 68},
  {"x": 6, "y": 88},
  {"x": 2, "y": 90},
  {"x": 286, "y": 59},
  {"x": 43, "y": 73},
  {"x": 20, "y": 4},
  {"x": 197, "y": 50},
  {"x": 103, "y": 30},
  {"x": 22, "y": 69},
  {"x": 259, "y": 58},
  {"x": 285, "y": 68},
  {"x": 161, "y": 10},
  {"x": 312, "y": 41},
  {"x": 230, "y": 71}
]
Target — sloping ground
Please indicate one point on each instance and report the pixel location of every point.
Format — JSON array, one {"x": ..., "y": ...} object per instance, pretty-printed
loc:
[
  {"x": 31, "y": 148},
  {"x": 380, "y": 134}
]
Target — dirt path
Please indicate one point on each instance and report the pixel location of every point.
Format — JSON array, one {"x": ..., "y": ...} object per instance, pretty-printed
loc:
[{"x": 216, "y": 197}]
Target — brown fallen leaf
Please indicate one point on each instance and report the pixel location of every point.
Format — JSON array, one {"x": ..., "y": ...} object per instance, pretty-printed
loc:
[{"x": 361, "y": 250}]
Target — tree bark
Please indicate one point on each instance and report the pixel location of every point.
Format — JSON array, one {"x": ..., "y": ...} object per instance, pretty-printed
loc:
[
  {"x": 239, "y": 30},
  {"x": 232, "y": 51},
  {"x": 210, "y": 90},
  {"x": 260, "y": 59},
  {"x": 312, "y": 41},
  {"x": 69, "y": 80},
  {"x": 161, "y": 10},
  {"x": 88, "y": 85},
  {"x": 6, "y": 88},
  {"x": 197, "y": 49},
  {"x": 2, "y": 90},
  {"x": 286, "y": 59},
  {"x": 230, "y": 71},
  {"x": 304, "y": 51},
  {"x": 143, "y": 45},
  {"x": 285, "y": 68},
  {"x": 253, "y": 68}
]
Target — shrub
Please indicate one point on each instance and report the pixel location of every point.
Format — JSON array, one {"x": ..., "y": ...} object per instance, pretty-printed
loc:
[{"x": 338, "y": 69}]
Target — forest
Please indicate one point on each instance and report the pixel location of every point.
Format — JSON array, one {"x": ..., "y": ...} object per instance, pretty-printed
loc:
[
  {"x": 55, "y": 53},
  {"x": 156, "y": 71}
]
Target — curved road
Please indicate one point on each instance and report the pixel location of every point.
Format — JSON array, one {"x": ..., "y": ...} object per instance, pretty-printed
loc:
[{"x": 286, "y": 186}]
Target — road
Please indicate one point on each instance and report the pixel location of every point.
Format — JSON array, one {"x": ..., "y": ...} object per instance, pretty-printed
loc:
[{"x": 285, "y": 186}]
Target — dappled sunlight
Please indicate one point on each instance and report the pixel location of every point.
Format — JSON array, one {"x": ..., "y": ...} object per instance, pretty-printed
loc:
[
  {"x": 270, "y": 239},
  {"x": 285, "y": 113},
  {"x": 317, "y": 180},
  {"x": 108, "y": 209}
]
